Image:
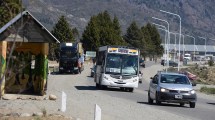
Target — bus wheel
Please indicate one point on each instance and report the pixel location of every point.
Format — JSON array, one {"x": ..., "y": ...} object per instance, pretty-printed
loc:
[
  {"x": 97, "y": 85},
  {"x": 130, "y": 89},
  {"x": 102, "y": 87}
]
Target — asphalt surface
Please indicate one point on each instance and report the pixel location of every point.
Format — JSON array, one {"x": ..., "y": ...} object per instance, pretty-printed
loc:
[
  {"x": 82, "y": 96},
  {"x": 205, "y": 106}
]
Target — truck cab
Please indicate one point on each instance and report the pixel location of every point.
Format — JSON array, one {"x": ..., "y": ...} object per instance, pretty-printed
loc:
[{"x": 69, "y": 55}]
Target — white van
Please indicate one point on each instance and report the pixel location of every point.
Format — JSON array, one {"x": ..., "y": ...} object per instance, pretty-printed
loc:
[{"x": 187, "y": 56}]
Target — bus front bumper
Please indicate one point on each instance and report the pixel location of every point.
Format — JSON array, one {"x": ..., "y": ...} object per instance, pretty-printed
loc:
[{"x": 110, "y": 83}]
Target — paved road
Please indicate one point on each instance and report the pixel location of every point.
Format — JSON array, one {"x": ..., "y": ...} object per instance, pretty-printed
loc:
[
  {"x": 204, "y": 110},
  {"x": 120, "y": 105},
  {"x": 82, "y": 96}
]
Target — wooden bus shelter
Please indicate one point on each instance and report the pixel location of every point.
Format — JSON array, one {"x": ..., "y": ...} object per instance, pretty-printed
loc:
[{"x": 24, "y": 46}]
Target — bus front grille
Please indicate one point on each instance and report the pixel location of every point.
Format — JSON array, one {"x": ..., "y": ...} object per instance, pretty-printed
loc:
[{"x": 121, "y": 77}]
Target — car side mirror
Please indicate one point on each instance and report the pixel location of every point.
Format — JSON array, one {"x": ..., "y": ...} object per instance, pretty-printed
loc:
[
  {"x": 154, "y": 81},
  {"x": 151, "y": 77},
  {"x": 193, "y": 84}
]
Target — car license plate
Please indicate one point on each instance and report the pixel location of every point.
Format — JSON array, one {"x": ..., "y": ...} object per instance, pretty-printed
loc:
[{"x": 178, "y": 96}]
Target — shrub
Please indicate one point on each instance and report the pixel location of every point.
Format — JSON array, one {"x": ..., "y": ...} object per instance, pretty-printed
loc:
[
  {"x": 207, "y": 90},
  {"x": 210, "y": 62}
]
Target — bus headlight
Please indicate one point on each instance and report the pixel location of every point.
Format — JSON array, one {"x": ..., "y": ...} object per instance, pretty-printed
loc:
[
  {"x": 134, "y": 80},
  {"x": 105, "y": 77}
]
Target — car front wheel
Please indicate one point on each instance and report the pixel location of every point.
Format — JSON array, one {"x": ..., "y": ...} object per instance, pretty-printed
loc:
[
  {"x": 150, "y": 101},
  {"x": 157, "y": 100},
  {"x": 181, "y": 104},
  {"x": 192, "y": 104}
]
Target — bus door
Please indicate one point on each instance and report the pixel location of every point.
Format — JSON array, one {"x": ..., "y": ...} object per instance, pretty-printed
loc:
[{"x": 100, "y": 66}]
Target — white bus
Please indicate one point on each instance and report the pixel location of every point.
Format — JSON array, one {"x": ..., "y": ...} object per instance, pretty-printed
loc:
[{"x": 117, "y": 67}]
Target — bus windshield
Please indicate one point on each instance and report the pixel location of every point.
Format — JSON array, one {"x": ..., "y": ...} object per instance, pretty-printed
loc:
[{"x": 121, "y": 64}]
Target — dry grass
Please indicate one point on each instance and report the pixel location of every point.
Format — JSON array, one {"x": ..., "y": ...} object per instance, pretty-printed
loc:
[{"x": 205, "y": 75}]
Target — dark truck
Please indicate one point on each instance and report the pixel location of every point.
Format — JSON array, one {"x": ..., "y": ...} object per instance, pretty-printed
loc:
[{"x": 69, "y": 55}]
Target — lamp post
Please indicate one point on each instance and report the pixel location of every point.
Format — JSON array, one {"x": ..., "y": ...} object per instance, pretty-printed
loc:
[
  {"x": 205, "y": 44},
  {"x": 183, "y": 46},
  {"x": 179, "y": 32},
  {"x": 175, "y": 48},
  {"x": 175, "y": 41},
  {"x": 194, "y": 44},
  {"x": 168, "y": 38}
]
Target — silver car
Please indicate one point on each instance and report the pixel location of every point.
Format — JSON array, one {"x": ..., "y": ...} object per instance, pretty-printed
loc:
[{"x": 172, "y": 88}]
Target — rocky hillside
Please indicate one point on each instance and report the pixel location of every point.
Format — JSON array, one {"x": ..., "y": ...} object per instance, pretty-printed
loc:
[{"x": 197, "y": 15}]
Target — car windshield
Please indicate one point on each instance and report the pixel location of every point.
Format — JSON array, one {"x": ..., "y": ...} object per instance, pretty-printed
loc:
[
  {"x": 122, "y": 64},
  {"x": 174, "y": 79}
]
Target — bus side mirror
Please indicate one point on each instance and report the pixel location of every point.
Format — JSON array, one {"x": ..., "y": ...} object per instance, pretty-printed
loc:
[{"x": 154, "y": 81}]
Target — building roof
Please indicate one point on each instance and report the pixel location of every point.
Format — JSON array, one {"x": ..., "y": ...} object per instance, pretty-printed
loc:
[{"x": 22, "y": 15}]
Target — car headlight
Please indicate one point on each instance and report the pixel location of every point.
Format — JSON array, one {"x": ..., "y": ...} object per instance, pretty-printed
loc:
[
  {"x": 164, "y": 90},
  {"x": 192, "y": 91}
]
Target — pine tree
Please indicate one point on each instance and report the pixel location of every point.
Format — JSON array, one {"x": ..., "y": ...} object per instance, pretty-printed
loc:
[
  {"x": 157, "y": 41},
  {"x": 76, "y": 34},
  {"x": 147, "y": 40},
  {"x": 101, "y": 31},
  {"x": 62, "y": 30},
  {"x": 117, "y": 32},
  {"x": 153, "y": 41},
  {"x": 155, "y": 38},
  {"x": 90, "y": 37},
  {"x": 134, "y": 36},
  {"x": 8, "y": 10}
]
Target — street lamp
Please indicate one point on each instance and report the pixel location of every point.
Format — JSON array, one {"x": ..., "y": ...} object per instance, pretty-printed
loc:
[
  {"x": 165, "y": 48},
  {"x": 183, "y": 46},
  {"x": 167, "y": 39},
  {"x": 205, "y": 44},
  {"x": 175, "y": 43},
  {"x": 194, "y": 43},
  {"x": 175, "y": 48},
  {"x": 179, "y": 32}
]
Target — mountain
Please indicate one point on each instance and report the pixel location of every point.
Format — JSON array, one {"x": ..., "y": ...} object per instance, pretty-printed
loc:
[{"x": 196, "y": 15}]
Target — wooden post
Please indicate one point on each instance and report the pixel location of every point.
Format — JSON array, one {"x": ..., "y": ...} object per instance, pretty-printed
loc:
[
  {"x": 45, "y": 48},
  {"x": 3, "y": 51}
]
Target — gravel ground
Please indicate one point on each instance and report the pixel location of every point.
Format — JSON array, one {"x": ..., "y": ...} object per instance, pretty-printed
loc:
[{"x": 82, "y": 97}]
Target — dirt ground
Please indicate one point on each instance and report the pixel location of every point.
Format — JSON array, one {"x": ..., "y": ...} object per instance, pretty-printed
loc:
[{"x": 36, "y": 118}]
